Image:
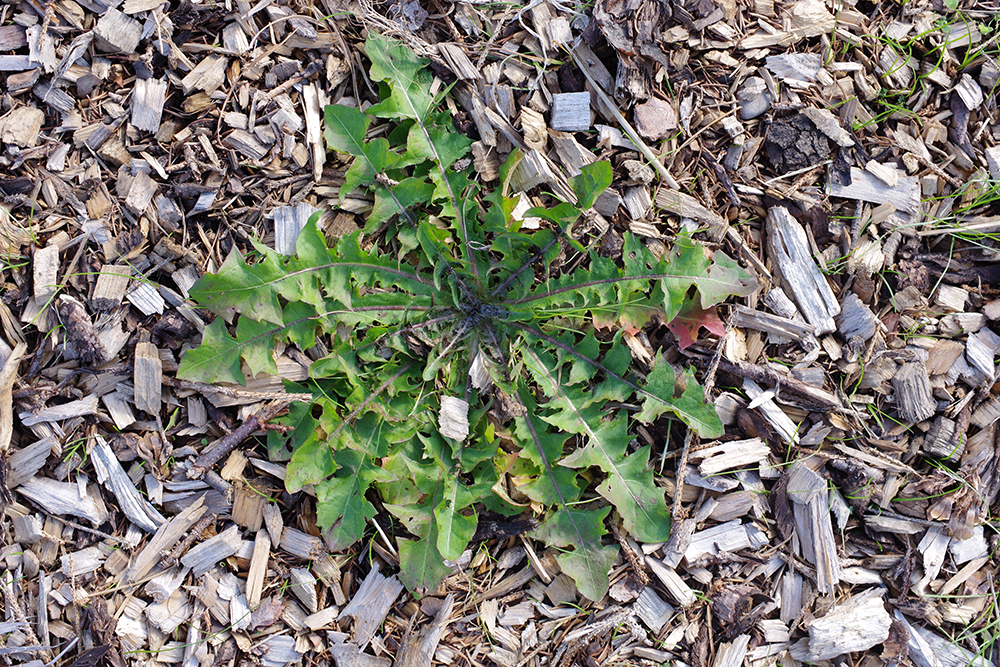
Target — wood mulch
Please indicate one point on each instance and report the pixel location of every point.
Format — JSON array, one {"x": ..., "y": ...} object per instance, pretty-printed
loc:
[{"x": 847, "y": 153}]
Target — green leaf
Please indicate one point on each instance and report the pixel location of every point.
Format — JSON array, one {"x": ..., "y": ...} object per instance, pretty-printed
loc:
[
  {"x": 690, "y": 406},
  {"x": 629, "y": 485},
  {"x": 345, "y": 129},
  {"x": 444, "y": 147},
  {"x": 594, "y": 178},
  {"x": 303, "y": 427},
  {"x": 588, "y": 562},
  {"x": 311, "y": 462},
  {"x": 257, "y": 344},
  {"x": 341, "y": 505},
  {"x": 217, "y": 359},
  {"x": 421, "y": 565},
  {"x": 410, "y": 192},
  {"x": 408, "y": 80},
  {"x": 240, "y": 288},
  {"x": 455, "y": 529}
]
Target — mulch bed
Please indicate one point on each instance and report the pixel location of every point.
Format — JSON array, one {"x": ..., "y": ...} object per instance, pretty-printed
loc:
[{"x": 847, "y": 154}]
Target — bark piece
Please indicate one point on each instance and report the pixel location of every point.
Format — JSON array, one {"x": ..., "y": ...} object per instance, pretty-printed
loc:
[
  {"x": 203, "y": 557},
  {"x": 80, "y": 331},
  {"x": 809, "y": 494},
  {"x": 790, "y": 250},
  {"x": 794, "y": 143},
  {"x": 855, "y": 625},
  {"x": 21, "y": 126},
  {"x": 913, "y": 392},
  {"x": 148, "y": 376},
  {"x": 117, "y": 33},
  {"x": 905, "y": 195},
  {"x": 61, "y": 498},
  {"x": 370, "y": 605},
  {"x": 147, "y": 103}
]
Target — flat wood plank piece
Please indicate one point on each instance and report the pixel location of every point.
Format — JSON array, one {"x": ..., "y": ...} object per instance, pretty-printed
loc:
[
  {"x": 730, "y": 455},
  {"x": 247, "y": 144},
  {"x": 84, "y": 406},
  {"x": 800, "y": 275},
  {"x": 459, "y": 63},
  {"x": 21, "y": 126},
  {"x": 204, "y": 556},
  {"x": 311, "y": 100},
  {"x": 929, "y": 649},
  {"x": 45, "y": 271},
  {"x": 303, "y": 586},
  {"x": 258, "y": 568},
  {"x": 686, "y": 206},
  {"x": 570, "y": 112},
  {"x": 207, "y": 75},
  {"x": 12, "y": 37},
  {"x": 288, "y": 222},
  {"x": 165, "y": 538},
  {"x": 731, "y": 654},
  {"x": 25, "y": 462},
  {"x": 721, "y": 539},
  {"x": 111, "y": 285},
  {"x": 912, "y": 388},
  {"x": 148, "y": 377},
  {"x": 418, "y": 650},
  {"x": 676, "y": 588},
  {"x": 141, "y": 192},
  {"x": 147, "y": 103},
  {"x": 905, "y": 195}
]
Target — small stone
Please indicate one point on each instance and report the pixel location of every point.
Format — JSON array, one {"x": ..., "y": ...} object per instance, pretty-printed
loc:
[
  {"x": 754, "y": 98},
  {"x": 639, "y": 171},
  {"x": 733, "y": 156},
  {"x": 86, "y": 84},
  {"x": 142, "y": 70},
  {"x": 655, "y": 119}
]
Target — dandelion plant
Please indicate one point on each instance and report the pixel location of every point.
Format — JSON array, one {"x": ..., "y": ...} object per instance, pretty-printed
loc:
[{"x": 466, "y": 371}]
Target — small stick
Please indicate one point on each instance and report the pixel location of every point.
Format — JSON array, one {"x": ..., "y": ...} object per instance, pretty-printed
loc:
[
  {"x": 225, "y": 444},
  {"x": 185, "y": 544}
]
